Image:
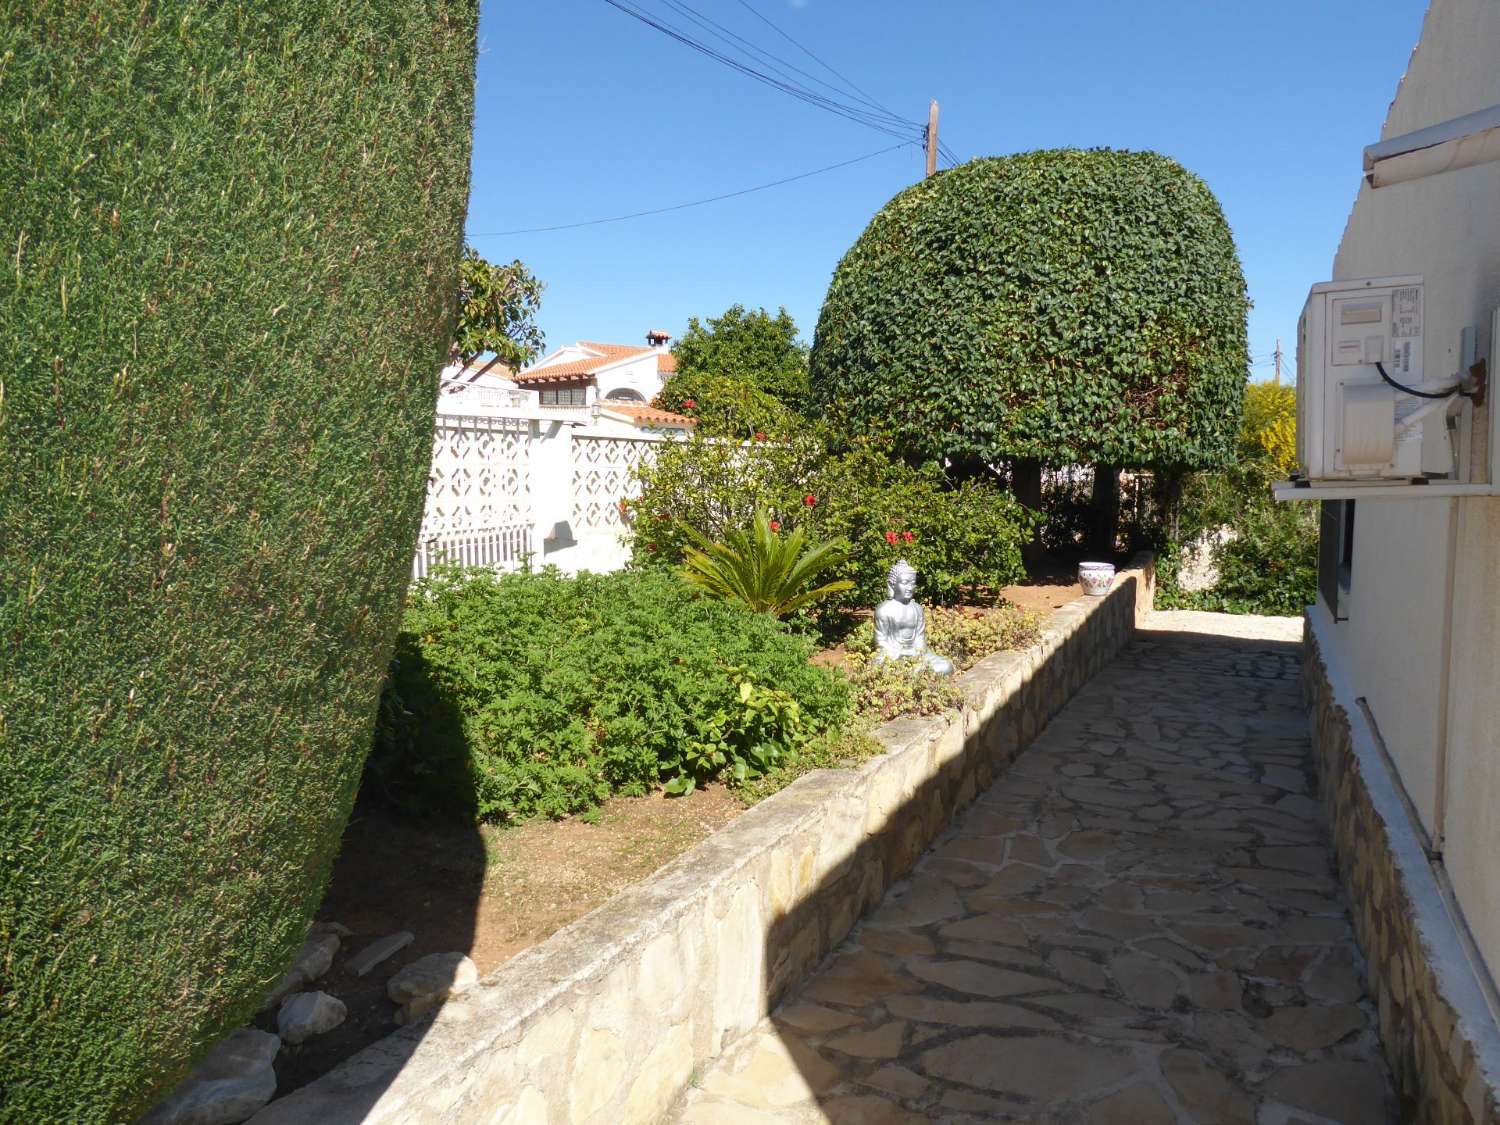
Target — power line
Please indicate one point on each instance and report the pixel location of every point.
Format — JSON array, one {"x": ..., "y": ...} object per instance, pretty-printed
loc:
[
  {"x": 868, "y": 100},
  {"x": 854, "y": 113},
  {"x": 695, "y": 202},
  {"x": 775, "y": 62}
]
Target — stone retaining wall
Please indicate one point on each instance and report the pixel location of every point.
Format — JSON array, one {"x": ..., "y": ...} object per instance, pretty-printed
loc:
[
  {"x": 606, "y": 1022},
  {"x": 1435, "y": 1023}
]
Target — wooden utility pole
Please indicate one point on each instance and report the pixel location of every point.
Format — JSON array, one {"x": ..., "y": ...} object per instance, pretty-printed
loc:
[
  {"x": 1278, "y": 362},
  {"x": 932, "y": 123}
]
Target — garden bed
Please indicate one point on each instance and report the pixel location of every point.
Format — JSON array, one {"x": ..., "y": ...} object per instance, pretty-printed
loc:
[{"x": 493, "y": 891}]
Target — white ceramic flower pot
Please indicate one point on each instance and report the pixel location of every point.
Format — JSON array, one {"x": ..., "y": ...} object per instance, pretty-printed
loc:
[{"x": 1096, "y": 577}]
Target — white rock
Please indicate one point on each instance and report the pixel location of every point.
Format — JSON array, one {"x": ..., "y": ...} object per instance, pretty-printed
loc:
[
  {"x": 430, "y": 980},
  {"x": 305, "y": 1014},
  {"x": 227, "y": 1087},
  {"x": 378, "y": 950},
  {"x": 339, "y": 928},
  {"x": 1200, "y": 559},
  {"x": 312, "y": 962}
]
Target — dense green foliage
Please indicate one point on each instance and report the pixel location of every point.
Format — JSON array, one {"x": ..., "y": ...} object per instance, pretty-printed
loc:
[
  {"x": 965, "y": 635},
  {"x": 765, "y": 569},
  {"x": 749, "y": 347},
  {"x": 558, "y": 692},
  {"x": 1271, "y": 563},
  {"x": 1065, "y": 306},
  {"x": 727, "y": 407},
  {"x": 232, "y": 239},
  {"x": 497, "y": 307},
  {"x": 962, "y": 539}
]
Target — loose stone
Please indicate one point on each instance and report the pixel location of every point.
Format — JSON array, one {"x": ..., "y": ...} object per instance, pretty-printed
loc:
[
  {"x": 234, "y": 1081},
  {"x": 378, "y": 950},
  {"x": 305, "y": 1014}
]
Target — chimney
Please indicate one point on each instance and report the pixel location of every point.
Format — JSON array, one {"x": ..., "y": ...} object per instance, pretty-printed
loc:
[{"x": 657, "y": 339}]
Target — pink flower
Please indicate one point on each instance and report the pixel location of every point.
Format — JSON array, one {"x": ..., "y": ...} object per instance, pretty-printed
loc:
[
  {"x": 760, "y": 436},
  {"x": 690, "y": 404},
  {"x": 775, "y": 526},
  {"x": 809, "y": 499},
  {"x": 908, "y": 536},
  {"x": 890, "y": 537}
]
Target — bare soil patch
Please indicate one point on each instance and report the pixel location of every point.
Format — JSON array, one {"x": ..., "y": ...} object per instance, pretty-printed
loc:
[{"x": 489, "y": 892}]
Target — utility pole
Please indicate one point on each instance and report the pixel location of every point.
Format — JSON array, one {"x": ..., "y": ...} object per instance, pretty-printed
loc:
[
  {"x": 932, "y": 126},
  {"x": 1278, "y": 361}
]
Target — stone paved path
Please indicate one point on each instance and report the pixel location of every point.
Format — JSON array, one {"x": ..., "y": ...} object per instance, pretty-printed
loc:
[{"x": 1137, "y": 924}]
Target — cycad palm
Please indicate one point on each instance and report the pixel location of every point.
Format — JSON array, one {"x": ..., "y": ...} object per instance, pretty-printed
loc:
[{"x": 769, "y": 572}]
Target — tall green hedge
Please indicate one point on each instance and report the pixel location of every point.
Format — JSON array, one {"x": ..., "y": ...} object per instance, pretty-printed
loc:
[
  {"x": 1062, "y": 306},
  {"x": 231, "y": 238}
]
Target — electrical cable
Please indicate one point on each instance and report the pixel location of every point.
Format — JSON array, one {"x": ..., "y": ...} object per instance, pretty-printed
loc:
[
  {"x": 775, "y": 62},
  {"x": 868, "y": 100},
  {"x": 1456, "y": 389},
  {"x": 841, "y": 109},
  {"x": 695, "y": 202}
]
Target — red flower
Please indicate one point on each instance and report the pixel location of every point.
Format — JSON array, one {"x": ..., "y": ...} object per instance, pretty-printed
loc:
[
  {"x": 663, "y": 517},
  {"x": 775, "y": 526},
  {"x": 650, "y": 546},
  {"x": 690, "y": 404},
  {"x": 908, "y": 536},
  {"x": 759, "y": 436},
  {"x": 809, "y": 499},
  {"x": 890, "y": 537}
]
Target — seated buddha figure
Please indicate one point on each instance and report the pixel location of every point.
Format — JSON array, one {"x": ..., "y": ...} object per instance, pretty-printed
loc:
[{"x": 901, "y": 623}]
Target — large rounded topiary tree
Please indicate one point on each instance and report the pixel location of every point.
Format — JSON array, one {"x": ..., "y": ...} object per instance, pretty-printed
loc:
[
  {"x": 232, "y": 234},
  {"x": 1064, "y": 306}
]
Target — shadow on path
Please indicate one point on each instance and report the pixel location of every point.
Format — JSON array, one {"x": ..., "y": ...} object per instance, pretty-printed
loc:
[{"x": 1139, "y": 922}]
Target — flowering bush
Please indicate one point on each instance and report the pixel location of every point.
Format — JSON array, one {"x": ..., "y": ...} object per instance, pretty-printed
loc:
[{"x": 963, "y": 540}]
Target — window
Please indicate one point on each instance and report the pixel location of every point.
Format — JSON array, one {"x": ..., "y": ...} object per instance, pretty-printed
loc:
[
  {"x": 564, "y": 396},
  {"x": 1336, "y": 555},
  {"x": 624, "y": 394}
]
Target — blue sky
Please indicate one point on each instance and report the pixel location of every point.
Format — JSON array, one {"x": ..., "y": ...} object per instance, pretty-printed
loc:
[{"x": 585, "y": 113}]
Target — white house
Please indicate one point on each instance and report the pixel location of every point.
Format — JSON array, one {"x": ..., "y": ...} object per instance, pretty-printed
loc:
[
  {"x": 586, "y": 373},
  {"x": 1403, "y": 661}
]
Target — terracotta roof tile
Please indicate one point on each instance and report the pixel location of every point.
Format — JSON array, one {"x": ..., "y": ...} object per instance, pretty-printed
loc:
[
  {"x": 648, "y": 415},
  {"x": 666, "y": 363}
]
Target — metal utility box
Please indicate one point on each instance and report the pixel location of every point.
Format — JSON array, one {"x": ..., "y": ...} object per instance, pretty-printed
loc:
[{"x": 1352, "y": 424}]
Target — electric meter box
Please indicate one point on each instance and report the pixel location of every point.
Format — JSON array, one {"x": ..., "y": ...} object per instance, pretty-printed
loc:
[{"x": 1352, "y": 424}]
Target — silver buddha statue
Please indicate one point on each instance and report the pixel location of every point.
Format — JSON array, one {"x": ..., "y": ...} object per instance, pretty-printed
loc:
[{"x": 901, "y": 623}]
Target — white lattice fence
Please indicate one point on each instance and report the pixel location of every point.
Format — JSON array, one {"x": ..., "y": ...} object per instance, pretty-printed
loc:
[
  {"x": 603, "y": 475},
  {"x": 479, "y": 503}
]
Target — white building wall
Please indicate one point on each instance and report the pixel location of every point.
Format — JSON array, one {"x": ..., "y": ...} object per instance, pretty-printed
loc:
[{"x": 1422, "y": 643}]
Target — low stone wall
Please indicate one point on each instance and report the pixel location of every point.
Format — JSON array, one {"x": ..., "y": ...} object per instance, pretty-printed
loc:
[
  {"x": 1435, "y": 1023},
  {"x": 605, "y": 1022}
]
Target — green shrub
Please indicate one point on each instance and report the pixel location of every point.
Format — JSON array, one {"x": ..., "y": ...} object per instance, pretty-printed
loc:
[
  {"x": 886, "y": 690},
  {"x": 727, "y": 407},
  {"x": 964, "y": 635},
  {"x": 763, "y": 569},
  {"x": 567, "y": 690},
  {"x": 1271, "y": 566},
  {"x": 232, "y": 237},
  {"x": 964, "y": 540},
  {"x": 1065, "y": 306}
]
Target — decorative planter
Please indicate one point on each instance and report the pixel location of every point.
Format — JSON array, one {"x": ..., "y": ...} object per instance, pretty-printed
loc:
[{"x": 1096, "y": 577}]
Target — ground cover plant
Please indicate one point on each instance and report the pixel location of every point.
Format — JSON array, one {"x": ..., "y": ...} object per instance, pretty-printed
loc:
[
  {"x": 555, "y": 692},
  {"x": 233, "y": 234}
]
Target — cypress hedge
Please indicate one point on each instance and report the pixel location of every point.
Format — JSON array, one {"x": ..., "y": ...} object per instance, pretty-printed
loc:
[
  {"x": 232, "y": 232},
  {"x": 1060, "y": 306}
]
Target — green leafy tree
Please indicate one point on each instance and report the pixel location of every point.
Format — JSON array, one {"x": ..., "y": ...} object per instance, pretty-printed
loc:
[
  {"x": 750, "y": 347},
  {"x": 233, "y": 234},
  {"x": 1064, "y": 306},
  {"x": 765, "y": 570},
  {"x": 497, "y": 307},
  {"x": 727, "y": 407}
]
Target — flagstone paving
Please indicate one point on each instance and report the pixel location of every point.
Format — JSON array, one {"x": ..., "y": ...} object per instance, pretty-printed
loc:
[{"x": 1137, "y": 924}]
